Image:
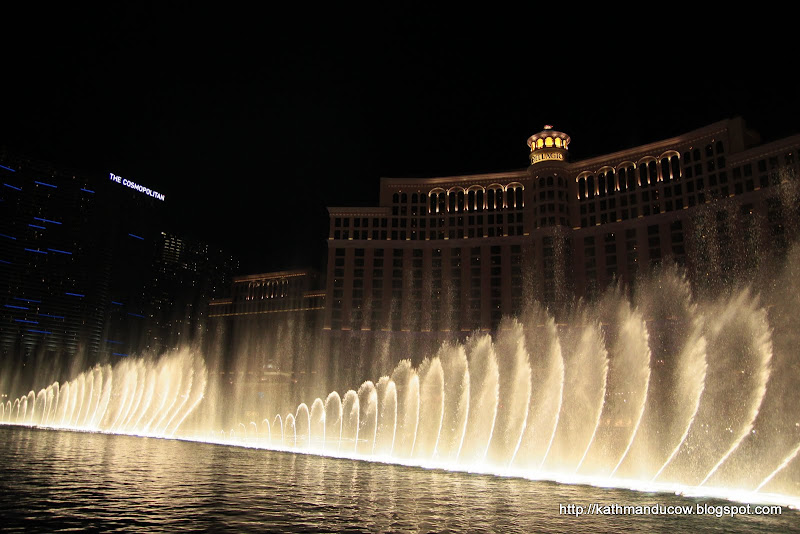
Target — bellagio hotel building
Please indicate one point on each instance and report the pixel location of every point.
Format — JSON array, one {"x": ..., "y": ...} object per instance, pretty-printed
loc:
[{"x": 458, "y": 253}]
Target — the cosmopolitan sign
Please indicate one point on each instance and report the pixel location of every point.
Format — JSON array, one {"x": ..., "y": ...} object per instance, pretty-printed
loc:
[{"x": 133, "y": 185}]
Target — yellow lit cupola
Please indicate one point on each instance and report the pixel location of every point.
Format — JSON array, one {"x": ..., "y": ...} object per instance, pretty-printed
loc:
[{"x": 548, "y": 145}]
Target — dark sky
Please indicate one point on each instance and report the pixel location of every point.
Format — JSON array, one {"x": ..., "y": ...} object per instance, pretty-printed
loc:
[{"x": 252, "y": 122}]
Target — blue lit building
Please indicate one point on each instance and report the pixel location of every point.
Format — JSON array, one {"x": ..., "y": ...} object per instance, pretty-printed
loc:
[{"x": 76, "y": 260}]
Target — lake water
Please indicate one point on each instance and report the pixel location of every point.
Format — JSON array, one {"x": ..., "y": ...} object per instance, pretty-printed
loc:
[{"x": 57, "y": 481}]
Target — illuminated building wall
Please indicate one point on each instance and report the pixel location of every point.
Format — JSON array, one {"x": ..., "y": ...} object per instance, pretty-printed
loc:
[
  {"x": 86, "y": 269},
  {"x": 265, "y": 337},
  {"x": 135, "y": 221},
  {"x": 54, "y": 280},
  {"x": 457, "y": 253}
]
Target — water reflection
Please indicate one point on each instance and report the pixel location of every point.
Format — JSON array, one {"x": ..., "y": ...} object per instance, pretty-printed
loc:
[{"x": 53, "y": 481}]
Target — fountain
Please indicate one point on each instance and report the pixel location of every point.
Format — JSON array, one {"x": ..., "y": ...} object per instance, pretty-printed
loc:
[
  {"x": 142, "y": 396},
  {"x": 664, "y": 392}
]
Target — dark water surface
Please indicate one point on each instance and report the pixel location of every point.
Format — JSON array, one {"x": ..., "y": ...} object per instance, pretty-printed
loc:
[{"x": 55, "y": 481}]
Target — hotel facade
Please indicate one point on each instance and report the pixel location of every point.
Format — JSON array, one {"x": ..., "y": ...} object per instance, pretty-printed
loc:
[{"x": 458, "y": 253}]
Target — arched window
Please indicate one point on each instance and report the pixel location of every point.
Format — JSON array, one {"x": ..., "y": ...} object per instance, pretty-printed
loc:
[
  {"x": 460, "y": 199},
  {"x": 643, "y": 175},
  {"x": 495, "y": 197},
  {"x": 414, "y": 199},
  {"x": 652, "y": 171},
  {"x": 471, "y": 200},
  {"x": 601, "y": 184},
  {"x": 514, "y": 195},
  {"x": 675, "y": 164},
  {"x": 550, "y": 179},
  {"x": 582, "y": 188},
  {"x": 622, "y": 175},
  {"x": 396, "y": 198},
  {"x": 442, "y": 206},
  {"x": 432, "y": 203},
  {"x": 404, "y": 198},
  {"x": 451, "y": 203},
  {"x": 479, "y": 200},
  {"x": 590, "y": 186},
  {"x": 665, "y": 170}
]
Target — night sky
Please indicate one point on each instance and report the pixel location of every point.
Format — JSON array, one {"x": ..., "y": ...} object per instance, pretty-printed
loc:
[{"x": 252, "y": 122}]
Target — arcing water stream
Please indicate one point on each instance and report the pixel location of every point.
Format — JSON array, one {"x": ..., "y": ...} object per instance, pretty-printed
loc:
[{"x": 665, "y": 393}]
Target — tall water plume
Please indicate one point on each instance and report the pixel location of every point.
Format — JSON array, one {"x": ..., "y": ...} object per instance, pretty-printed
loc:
[
  {"x": 515, "y": 385},
  {"x": 484, "y": 389},
  {"x": 677, "y": 374},
  {"x": 547, "y": 379},
  {"x": 431, "y": 401},
  {"x": 586, "y": 368},
  {"x": 628, "y": 383},
  {"x": 455, "y": 403}
]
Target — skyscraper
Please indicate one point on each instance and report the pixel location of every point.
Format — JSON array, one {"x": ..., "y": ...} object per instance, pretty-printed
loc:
[{"x": 88, "y": 272}]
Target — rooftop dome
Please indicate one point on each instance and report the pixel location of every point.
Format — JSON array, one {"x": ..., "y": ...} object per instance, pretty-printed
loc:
[{"x": 548, "y": 145}]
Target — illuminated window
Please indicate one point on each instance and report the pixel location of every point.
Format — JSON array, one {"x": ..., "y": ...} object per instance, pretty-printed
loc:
[
  {"x": 494, "y": 199},
  {"x": 652, "y": 171},
  {"x": 665, "y": 170},
  {"x": 675, "y": 167},
  {"x": 558, "y": 142},
  {"x": 623, "y": 179},
  {"x": 539, "y": 143},
  {"x": 548, "y": 142},
  {"x": 643, "y": 175}
]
